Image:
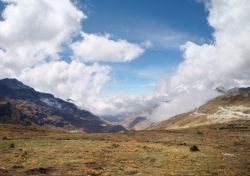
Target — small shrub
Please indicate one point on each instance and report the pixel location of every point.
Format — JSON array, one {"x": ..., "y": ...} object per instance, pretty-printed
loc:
[
  {"x": 199, "y": 133},
  {"x": 12, "y": 145},
  {"x": 194, "y": 148}
]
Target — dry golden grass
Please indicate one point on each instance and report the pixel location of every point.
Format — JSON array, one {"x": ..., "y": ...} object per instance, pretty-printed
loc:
[{"x": 224, "y": 150}]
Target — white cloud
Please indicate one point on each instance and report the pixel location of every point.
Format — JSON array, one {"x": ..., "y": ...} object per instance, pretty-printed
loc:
[
  {"x": 161, "y": 36},
  {"x": 33, "y": 31},
  {"x": 73, "y": 80},
  {"x": 181, "y": 104},
  {"x": 124, "y": 106},
  {"x": 96, "y": 47},
  {"x": 225, "y": 62}
]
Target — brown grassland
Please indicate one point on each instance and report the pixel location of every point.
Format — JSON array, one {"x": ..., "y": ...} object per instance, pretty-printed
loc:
[{"x": 223, "y": 150}]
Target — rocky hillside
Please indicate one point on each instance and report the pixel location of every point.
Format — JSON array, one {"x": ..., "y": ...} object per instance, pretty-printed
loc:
[
  {"x": 233, "y": 105},
  {"x": 20, "y": 104}
]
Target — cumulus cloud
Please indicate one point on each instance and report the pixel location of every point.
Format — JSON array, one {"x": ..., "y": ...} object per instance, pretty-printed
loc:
[
  {"x": 34, "y": 31},
  {"x": 224, "y": 62},
  {"x": 73, "y": 80},
  {"x": 97, "y": 47}
]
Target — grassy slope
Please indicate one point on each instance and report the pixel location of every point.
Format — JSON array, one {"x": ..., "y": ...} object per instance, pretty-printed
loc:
[
  {"x": 200, "y": 115},
  {"x": 224, "y": 150}
]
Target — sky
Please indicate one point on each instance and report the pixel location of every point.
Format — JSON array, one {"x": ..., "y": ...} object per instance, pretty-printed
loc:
[
  {"x": 153, "y": 58},
  {"x": 166, "y": 24}
]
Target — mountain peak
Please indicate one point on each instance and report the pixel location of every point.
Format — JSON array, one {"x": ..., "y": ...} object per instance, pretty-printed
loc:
[
  {"x": 14, "y": 89},
  {"x": 13, "y": 84}
]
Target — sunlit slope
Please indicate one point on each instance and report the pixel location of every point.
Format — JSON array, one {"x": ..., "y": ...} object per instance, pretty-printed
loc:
[{"x": 225, "y": 108}]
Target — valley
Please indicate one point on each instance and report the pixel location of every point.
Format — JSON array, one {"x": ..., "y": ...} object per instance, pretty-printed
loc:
[
  {"x": 44, "y": 135},
  {"x": 124, "y": 88}
]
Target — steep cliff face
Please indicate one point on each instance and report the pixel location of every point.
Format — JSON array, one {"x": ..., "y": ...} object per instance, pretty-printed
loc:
[{"x": 20, "y": 104}]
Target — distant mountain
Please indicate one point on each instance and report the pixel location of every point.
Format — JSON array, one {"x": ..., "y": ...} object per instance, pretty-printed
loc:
[
  {"x": 114, "y": 119},
  {"x": 233, "y": 105},
  {"x": 21, "y": 104},
  {"x": 137, "y": 123}
]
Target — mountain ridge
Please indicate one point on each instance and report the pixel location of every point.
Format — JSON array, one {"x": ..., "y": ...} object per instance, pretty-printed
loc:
[{"x": 24, "y": 105}]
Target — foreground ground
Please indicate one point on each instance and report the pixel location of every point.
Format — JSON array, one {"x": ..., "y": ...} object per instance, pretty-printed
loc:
[{"x": 223, "y": 150}]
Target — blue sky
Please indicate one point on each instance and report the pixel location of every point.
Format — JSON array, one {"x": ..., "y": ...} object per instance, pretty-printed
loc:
[{"x": 166, "y": 23}]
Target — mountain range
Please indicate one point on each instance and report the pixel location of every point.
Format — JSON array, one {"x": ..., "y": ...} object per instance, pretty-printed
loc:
[{"x": 22, "y": 105}]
